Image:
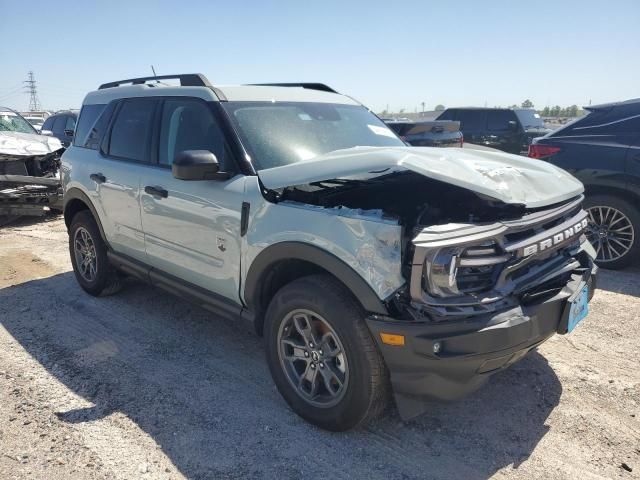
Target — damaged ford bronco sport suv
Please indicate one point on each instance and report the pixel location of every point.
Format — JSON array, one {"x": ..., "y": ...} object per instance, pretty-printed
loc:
[{"x": 371, "y": 268}]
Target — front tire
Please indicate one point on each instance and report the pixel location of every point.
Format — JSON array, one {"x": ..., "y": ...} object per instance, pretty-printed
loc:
[
  {"x": 88, "y": 253},
  {"x": 321, "y": 355},
  {"x": 614, "y": 230}
]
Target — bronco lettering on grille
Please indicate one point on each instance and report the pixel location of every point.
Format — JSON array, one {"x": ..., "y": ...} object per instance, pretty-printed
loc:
[{"x": 556, "y": 239}]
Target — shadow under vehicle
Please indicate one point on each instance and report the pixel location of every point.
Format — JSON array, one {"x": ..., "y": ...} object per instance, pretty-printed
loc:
[{"x": 200, "y": 389}]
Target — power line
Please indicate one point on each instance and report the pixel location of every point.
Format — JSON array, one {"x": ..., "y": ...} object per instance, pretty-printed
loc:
[
  {"x": 12, "y": 88},
  {"x": 11, "y": 94},
  {"x": 31, "y": 89}
]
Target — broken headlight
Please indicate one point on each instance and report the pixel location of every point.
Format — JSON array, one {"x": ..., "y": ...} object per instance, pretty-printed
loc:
[{"x": 456, "y": 271}]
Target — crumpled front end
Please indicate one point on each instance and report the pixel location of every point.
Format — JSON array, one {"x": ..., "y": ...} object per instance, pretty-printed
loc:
[
  {"x": 480, "y": 297},
  {"x": 467, "y": 269},
  {"x": 29, "y": 174}
]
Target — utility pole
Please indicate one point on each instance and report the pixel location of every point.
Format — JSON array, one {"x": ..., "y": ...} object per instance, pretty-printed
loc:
[
  {"x": 30, "y": 88},
  {"x": 423, "y": 103}
]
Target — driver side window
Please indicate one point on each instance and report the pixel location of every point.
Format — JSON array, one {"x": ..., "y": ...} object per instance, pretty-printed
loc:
[{"x": 189, "y": 124}]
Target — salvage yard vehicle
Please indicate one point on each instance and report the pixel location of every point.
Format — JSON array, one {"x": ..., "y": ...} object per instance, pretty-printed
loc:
[
  {"x": 602, "y": 149},
  {"x": 370, "y": 267},
  {"x": 435, "y": 133},
  {"x": 507, "y": 129},
  {"x": 29, "y": 164},
  {"x": 61, "y": 125}
]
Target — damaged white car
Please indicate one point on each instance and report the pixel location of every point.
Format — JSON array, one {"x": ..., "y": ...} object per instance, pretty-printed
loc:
[
  {"x": 370, "y": 267},
  {"x": 29, "y": 168}
]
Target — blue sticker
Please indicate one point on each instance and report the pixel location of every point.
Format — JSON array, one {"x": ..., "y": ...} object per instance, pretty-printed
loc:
[{"x": 579, "y": 309}]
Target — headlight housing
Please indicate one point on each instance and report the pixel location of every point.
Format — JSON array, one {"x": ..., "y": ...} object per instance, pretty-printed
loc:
[{"x": 462, "y": 270}]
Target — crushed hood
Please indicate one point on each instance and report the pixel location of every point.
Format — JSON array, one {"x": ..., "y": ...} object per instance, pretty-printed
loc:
[
  {"x": 15, "y": 145},
  {"x": 512, "y": 179}
]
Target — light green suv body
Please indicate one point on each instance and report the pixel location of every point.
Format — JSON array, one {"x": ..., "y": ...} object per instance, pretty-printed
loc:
[{"x": 226, "y": 195}]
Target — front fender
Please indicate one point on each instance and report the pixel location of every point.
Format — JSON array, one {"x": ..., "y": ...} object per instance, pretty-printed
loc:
[{"x": 273, "y": 254}]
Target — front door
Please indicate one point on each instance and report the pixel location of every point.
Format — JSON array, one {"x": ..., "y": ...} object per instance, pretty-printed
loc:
[{"x": 192, "y": 230}]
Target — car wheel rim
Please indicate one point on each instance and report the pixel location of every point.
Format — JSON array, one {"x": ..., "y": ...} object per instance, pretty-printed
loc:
[
  {"x": 85, "y": 252},
  {"x": 610, "y": 232},
  {"x": 313, "y": 358}
]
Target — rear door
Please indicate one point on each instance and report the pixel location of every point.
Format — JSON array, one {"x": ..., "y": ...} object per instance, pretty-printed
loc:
[
  {"x": 595, "y": 149},
  {"x": 124, "y": 155},
  {"x": 192, "y": 230}
]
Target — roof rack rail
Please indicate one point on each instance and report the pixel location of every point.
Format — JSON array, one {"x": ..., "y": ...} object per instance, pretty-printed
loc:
[
  {"x": 186, "y": 80},
  {"x": 310, "y": 86}
]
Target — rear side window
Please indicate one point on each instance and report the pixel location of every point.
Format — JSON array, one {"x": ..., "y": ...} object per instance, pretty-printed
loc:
[
  {"x": 70, "y": 124},
  {"x": 448, "y": 115},
  {"x": 623, "y": 120},
  {"x": 94, "y": 138},
  {"x": 189, "y": 124},
  {"x": 400, "y": 128},
  {"x": 131, "y": 129},
  {"x": 88, "y": 116},
  {"x": 498, "y": 120},
  {"x": 471, "y": 119},
  {"x": 48, "y": 124}
]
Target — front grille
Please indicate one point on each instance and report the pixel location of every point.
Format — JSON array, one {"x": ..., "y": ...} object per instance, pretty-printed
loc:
[
  {"x": 476, "y": 279},
  {"x": 478, "y": 267},
  {"x": 462, "y": 265}
]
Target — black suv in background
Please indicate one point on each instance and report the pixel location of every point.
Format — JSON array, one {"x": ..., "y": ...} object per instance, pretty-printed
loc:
[
  {"x": 602, "y": 149},
  {"x": 428, "y": 133},
  {"x": 61, "y": 125},
  {"x": 506, "y": 129}
]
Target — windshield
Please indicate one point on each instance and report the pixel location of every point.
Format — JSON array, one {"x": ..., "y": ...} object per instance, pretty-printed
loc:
[
  {"x": 530, "y": 119},
  {"x": 12, "y": 122},
  {"x": 281, "y": 133}
]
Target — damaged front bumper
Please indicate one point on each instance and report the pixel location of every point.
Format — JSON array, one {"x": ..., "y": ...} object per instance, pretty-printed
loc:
[
  {"x": 449, "y": 359},
  {"x": 481, "y": 297}
]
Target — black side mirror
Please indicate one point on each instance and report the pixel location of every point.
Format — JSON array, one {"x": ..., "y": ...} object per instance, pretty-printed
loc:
[
  {"x": 68, "y": 133},
  {"x": 197, "y": 165}
]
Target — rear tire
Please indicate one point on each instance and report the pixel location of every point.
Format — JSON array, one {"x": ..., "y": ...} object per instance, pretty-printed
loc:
[
  {"x": 352, "y": 387},
  {"x": 614, "y": 230},
  {"x": 88, "y": 253}
]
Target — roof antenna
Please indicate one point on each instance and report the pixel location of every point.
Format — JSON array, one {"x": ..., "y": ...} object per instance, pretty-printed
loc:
[{"x": 154, "y": 71}]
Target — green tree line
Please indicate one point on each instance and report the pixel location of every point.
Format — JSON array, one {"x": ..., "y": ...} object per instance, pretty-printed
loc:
[{"x": 555, "y": 111}]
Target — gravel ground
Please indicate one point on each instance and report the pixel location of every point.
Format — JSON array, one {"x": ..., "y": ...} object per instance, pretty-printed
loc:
[{"x": 144, "y": 385}]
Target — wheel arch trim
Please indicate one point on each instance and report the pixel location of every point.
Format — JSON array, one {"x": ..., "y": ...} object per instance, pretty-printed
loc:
[
  {"x": 75, "y": 194},
  {"x": 292, "y": 250}
]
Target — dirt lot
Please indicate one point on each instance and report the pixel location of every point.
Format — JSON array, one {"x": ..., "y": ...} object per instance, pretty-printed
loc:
[{"x": 143, "y": 385}]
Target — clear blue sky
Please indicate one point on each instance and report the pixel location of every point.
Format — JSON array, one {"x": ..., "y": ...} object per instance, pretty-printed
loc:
[{"x": 398, "y": 53}]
